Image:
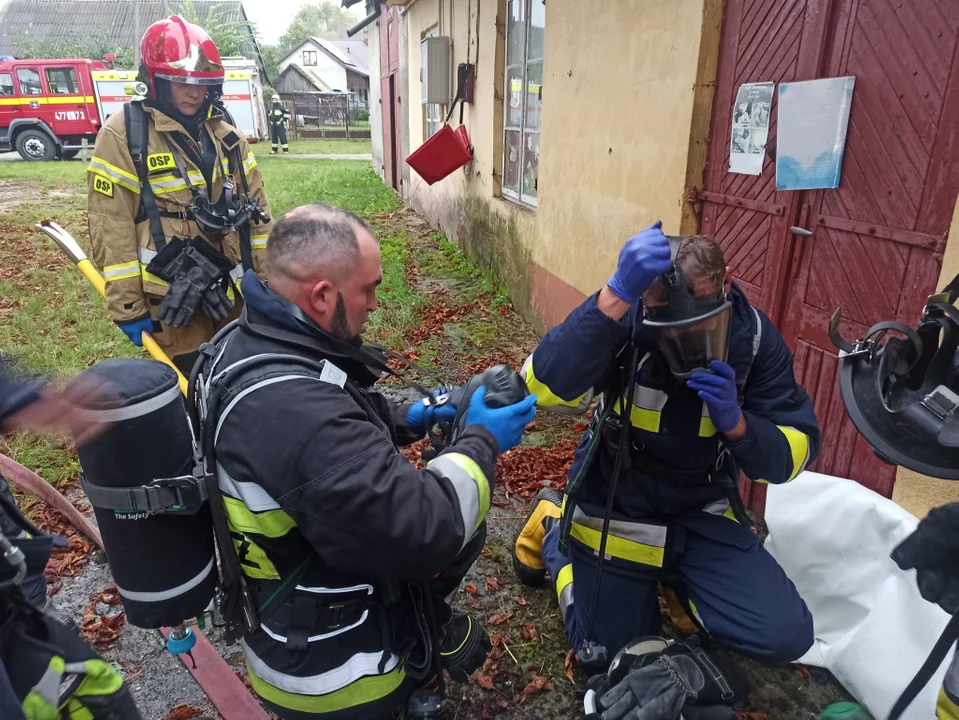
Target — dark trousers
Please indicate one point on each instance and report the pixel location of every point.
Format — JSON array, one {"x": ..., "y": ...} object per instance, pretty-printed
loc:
[
  {"x": 278, "y": 137},
  {"x": 732, "y": 588}
]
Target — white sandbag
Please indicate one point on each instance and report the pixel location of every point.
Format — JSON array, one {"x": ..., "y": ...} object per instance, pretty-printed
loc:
[{"x": 873, "y": 629}]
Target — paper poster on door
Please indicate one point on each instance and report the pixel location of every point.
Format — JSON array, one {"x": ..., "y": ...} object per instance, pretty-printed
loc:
[
  {"x": 813, "y": 119},
  {"x": 750, "y": 128}
]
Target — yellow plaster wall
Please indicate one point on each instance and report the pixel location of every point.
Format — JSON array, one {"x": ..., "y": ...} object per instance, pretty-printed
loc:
[{"x": 623, "y": 121}]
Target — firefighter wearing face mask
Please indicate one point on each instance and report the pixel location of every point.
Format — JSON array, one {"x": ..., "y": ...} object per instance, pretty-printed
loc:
[
  {"x": 176, "y": 204},
  {"x": 712, "y": 389}
]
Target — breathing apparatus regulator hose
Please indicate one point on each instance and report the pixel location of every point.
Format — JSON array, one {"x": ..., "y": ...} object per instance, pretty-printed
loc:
[{"x": 624, "y": 445}]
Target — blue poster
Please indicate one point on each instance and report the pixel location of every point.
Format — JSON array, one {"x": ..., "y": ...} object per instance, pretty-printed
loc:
[{"x": 813, "y": 120}]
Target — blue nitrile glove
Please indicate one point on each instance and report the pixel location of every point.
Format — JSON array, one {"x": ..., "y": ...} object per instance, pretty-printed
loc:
[
  {"x": 133, "y": 329},
  {"x": 421, "y": 416},
  {"x": 719, "y": 393},
  {"x": 642, "y": 259},
  {"x": 506, "y": 424}
]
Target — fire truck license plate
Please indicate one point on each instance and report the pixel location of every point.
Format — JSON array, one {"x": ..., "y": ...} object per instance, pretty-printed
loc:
[{"x": 70, "y": 115}]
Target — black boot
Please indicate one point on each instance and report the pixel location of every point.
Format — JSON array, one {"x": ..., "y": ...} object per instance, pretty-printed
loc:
[{"x": 464, "y": 645}]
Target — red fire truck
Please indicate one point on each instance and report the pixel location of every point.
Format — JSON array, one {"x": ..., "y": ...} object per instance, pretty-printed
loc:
[{"x": 48, "y": 107}]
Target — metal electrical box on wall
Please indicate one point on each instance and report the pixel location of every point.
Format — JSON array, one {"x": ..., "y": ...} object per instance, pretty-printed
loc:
[{"x": 435, "y": 70}]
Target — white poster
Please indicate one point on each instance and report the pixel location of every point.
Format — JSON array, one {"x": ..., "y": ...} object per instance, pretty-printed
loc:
[
  {"x": 813, "y": 118},
  {"x": 750, "y": 128}
]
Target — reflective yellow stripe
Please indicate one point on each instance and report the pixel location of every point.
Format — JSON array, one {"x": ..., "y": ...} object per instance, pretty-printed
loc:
[
  {"x": 730, "y": 514},
  {"x": 365, "y": 690},
  {"x": 706, "y": 427},
  {"x": 68, "y": 99},
  {"x": 798, "y": 446},
  {"x": 563, "y": 578},
  {"x": 250, "y": 162},
  {"x": 150, "y": 278},
  {"x": 101, "y": 167},
  {"x": 121, "y": 271},
  {"x": 618, "y": 547},
  {"x": 469, "y": 466},
  {"x": 258, "y": 241},
  {"x": 111, "y": 169},
  {"x": 641, "y": 418},
  {"x": 544, "y": 396},
  {"x": 271, "y": 523},
  {"x": 946, "y": 709}
]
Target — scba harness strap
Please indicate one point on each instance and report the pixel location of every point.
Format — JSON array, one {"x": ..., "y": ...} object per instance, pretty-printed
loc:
[{"x": 138, "y": 134}]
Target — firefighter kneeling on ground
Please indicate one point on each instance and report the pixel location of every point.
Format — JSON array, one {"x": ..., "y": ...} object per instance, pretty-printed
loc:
[
  {"x": 712, "y": 387},
  {"x": 176, "y": 204},
  {"x": 350, "y": 552},
  {"x": 278, "y": 117}
]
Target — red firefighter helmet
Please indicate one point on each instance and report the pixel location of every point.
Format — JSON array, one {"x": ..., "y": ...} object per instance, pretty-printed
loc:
[{"x": 178, "y": 51}]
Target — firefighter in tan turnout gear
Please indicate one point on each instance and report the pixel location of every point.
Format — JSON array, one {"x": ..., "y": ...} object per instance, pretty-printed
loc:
[{"x": 176, "y": 204}]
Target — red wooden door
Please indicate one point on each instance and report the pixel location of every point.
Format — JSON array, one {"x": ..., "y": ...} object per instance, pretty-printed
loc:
[
  {"x": 876, "y": 248},
  {"x": 762, "y": 40}
]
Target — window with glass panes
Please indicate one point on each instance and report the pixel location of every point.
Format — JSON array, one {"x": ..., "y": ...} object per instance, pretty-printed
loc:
[
  {"x": 432, "y": 112},
  {"x": 523, "y": 98}
]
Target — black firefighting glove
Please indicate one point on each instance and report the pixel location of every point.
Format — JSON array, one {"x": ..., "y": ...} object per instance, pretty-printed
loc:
[
  {"x": 183, "y": 298},
  {"x": 216, "y": 304},
  {"x": 683, "y": 678},
  {"x": 933, "y": 550}
]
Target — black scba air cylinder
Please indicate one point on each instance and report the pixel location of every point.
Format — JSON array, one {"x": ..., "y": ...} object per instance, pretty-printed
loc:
[{"x": 163, "y": 564}]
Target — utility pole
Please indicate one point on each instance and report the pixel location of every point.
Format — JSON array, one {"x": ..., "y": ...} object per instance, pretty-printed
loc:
[{"x": 136, "y": 34}]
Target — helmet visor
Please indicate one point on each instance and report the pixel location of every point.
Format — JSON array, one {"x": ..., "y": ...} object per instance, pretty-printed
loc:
[
  {"x": 191, "y": 80},
  {"x": 691, "y": 345}
]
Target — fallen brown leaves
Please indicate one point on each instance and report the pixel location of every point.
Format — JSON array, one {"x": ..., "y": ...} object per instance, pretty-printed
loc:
[
  {"x": 436, "y": 313},
  {"x": 183, "y": 712},
  {"x": 64, "y": 562},
  {"x": 102, "y": 630},
  {"x": 537, "y": 683},
  {"x": 529, "y": 632},
  {"x": 519, "y": 600},
  {"x": 568, "y": 665},
  {"x": 472, "y": 589},
  {"x": 497, "y": 357},
  {"x": 526, "y": 470},
  {"x": 492, "y": 584},
  {"x": 414, "y": 452},
  {"x": 500, "y": 619}
]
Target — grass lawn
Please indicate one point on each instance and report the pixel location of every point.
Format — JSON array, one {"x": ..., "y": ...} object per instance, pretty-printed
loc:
[
  {"x": 54, "y": 323},
  {"x": 320, "y": 146}
]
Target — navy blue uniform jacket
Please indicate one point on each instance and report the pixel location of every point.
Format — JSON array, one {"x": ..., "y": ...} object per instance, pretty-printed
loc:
[{"x": 577, "y": 359}]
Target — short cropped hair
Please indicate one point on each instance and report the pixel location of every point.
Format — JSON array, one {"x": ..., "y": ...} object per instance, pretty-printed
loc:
[
  {"x": 702, "y": 260},
  {"x": 314, "y": 237}
]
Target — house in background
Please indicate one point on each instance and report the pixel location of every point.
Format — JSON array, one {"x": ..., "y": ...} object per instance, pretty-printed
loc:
[
  {"x": 591, "y": 120},
  {"x": 339, "y": 65},
  {"x": 295, "y": 79},
  {"x": 120, "y": 22}
]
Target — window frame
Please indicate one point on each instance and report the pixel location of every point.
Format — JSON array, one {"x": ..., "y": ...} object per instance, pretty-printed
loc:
[
  {"x": 66, "y": 68},
  {"x": 519, "y": 197},
  {"x": 13, "y": 88},
  {"x": 39, "y": 81},
  {"x": 432, "y": 125},
  {"x": 309, "y": 53}
]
